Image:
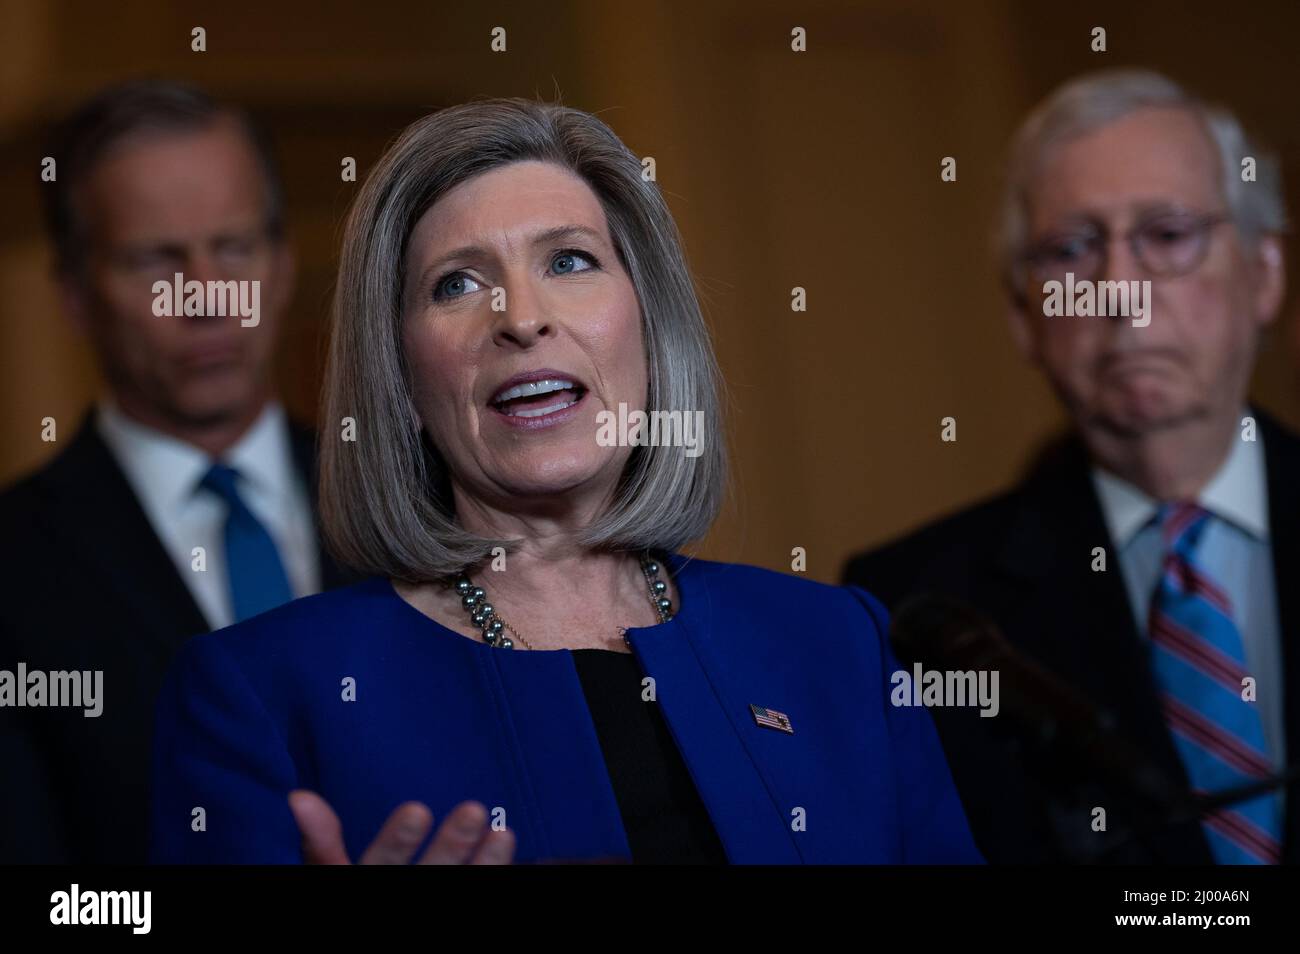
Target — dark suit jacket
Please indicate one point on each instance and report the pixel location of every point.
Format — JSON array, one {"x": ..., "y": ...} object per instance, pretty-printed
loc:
[
  {"x": 1024, "y": 559},
  {"x": 88, "y": 586}
]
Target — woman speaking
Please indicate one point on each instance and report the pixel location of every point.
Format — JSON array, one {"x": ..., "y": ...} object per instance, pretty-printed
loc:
[{"x": 534, "y": 672}]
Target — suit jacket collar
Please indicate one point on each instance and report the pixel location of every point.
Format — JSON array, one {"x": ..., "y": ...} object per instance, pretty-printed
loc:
[
  {"x": 1236, "y": 493},
  {"x": 113, "y": 537}
]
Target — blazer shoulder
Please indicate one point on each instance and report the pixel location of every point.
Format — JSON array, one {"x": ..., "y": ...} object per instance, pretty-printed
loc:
[
  {"x": 20, "y": 500},
  {"x": 1279, "y": 440},
  {"x": 757, "y": 585},
  {"x": 84, "y": 458},
  {"x": 33, "y": 497},
  {"x": 976, "y": 522},
  {"x": 746, "y": 576},
  {"x": 305, "y": 628}
]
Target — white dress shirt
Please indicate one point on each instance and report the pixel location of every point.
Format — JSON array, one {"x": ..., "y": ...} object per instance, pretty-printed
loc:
[
  {"x": 165, "y": 473},
  {"x": 1234, "y": 550}
]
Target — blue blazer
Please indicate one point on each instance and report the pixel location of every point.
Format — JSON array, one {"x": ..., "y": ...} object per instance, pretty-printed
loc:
[{"x": 255, "y": 710}]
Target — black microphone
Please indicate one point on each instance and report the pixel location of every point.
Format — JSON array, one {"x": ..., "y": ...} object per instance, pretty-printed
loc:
[
  {"x": 1192, "y": 805},
  {"x": 942, "y": 633}
]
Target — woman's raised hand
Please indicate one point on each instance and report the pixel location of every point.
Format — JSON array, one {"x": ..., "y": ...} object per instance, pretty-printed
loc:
[{"x": 463, "y": 837}]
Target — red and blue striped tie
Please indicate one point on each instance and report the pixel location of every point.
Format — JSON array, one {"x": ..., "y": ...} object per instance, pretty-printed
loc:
[{"x": 1199, "y": 663}]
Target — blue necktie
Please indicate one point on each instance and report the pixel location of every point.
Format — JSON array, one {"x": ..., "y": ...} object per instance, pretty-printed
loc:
[
  {"x": 1199, "y": 663},
  {"x": 257, "y": 578}
]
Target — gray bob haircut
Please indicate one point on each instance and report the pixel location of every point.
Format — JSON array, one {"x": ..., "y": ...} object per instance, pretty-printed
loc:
[
  {"x": 386, "y": 506},
  {"x": 1098, "y": 99}
]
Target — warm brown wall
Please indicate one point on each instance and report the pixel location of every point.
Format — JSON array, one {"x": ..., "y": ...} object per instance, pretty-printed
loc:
[{"x": 817, "y": 169}]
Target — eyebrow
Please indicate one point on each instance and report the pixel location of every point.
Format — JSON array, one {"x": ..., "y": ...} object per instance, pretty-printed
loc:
[
  {"x": 543, "y": 237},
  {"x": 152, "y": 243},
  {"x": 1143, "y": 210}
]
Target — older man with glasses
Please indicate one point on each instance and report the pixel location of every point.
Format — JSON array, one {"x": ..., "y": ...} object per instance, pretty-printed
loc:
[{"x": 1146, "y": 565}]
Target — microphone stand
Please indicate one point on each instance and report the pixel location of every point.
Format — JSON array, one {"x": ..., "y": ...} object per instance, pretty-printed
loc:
[{"x": 1191, "y": 807}]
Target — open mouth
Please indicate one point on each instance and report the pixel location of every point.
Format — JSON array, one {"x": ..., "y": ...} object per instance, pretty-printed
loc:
[{"x": 538, "y": 398}]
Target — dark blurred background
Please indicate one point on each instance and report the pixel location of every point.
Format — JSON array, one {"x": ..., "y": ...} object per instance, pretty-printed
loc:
[{"x": 818, "y": 169}]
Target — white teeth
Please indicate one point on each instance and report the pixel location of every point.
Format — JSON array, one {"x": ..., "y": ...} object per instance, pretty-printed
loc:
[
  {"x": 532, "y": 389},
  {"x": 538, "y": 412}
]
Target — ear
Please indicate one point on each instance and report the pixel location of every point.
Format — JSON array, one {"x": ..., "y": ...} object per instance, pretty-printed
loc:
[{"x": 1270, "y": 278}]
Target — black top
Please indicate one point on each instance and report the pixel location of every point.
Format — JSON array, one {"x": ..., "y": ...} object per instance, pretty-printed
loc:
[{"x": 665, "y": 820}]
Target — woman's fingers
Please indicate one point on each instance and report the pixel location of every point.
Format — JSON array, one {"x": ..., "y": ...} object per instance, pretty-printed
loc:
[
  {"x": 396, "y": 842},
  {"x": 459, "y": 836},
  {"x": 322, "y": 835},
  {"x": 462, "y": 838},
  {"x": 497, "y": 848}
]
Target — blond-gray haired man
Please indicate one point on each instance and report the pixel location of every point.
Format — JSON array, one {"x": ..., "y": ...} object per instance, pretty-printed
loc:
[{"x": 1185, "y": 489}]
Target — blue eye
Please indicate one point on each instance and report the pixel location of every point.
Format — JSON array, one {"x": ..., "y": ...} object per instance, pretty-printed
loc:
[
  {"x": 453, "y": 286},
  {"x": 565, "y": 262}
]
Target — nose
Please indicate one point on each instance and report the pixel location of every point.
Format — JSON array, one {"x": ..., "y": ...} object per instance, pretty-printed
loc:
[
  {"x": 1123, "y": 266},
  {"x": 201, "y": 266},
  {"x": 526, "y": 318},
  {"x": 1120, "y": 264}
]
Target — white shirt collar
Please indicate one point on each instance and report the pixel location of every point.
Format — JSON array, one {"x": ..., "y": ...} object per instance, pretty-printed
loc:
[
  {"x": 1237, "y": 493},
  {"x": 264, "y": 455},
  {"x": 168, "y": 470}
]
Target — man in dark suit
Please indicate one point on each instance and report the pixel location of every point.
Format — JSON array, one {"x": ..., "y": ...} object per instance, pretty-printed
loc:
[
  {"x": 184, "y": 500},
  {"x": 1148, "y": 559}
]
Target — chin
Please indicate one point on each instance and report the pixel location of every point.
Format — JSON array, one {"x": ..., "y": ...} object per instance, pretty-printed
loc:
[
  {"x": 555, "y": 476},
  {"x": 202, "y": 408},
  {"x": 1140, "y": 412}
]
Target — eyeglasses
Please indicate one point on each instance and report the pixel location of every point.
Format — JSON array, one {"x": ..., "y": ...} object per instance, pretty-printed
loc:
[{"x": 1166, "y": 246}]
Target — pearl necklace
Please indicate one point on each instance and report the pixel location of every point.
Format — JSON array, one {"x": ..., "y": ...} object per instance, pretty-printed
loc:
[{"x": 493, "y": 628}]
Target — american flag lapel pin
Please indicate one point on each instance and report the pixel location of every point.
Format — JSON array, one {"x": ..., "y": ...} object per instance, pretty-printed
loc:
[{"x": 771, "y": 719}]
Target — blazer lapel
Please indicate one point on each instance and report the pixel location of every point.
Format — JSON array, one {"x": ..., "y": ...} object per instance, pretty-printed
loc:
[
  {"x": 560, "y": 779},
  {"x": 701, "y": 715}
]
